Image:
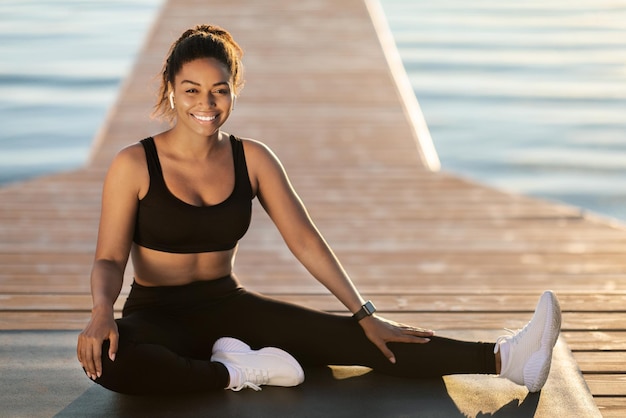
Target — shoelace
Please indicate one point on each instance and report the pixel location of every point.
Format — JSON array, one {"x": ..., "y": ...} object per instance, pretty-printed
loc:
[
  {"x": 246, "y": 385},
  {"x": 254, "y": 379},
  {"x": 513, "y": 337}
]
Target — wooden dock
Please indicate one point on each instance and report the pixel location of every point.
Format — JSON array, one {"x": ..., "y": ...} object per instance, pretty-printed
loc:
[{"x": 428, "y": 247}]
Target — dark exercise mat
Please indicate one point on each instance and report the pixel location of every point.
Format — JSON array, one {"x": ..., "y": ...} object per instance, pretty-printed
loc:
[{"x": 358, "y": 392}]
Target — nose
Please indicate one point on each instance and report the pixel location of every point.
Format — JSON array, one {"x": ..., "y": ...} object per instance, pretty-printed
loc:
[{"x": 210, "y": 99}]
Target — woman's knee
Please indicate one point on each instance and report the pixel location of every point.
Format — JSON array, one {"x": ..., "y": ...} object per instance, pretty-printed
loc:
[{"x": 114, "y": 376}]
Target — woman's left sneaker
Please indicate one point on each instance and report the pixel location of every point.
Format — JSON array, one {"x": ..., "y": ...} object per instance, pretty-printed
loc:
[
  {"x": 527, "y": 354},
  {"x": 249, "y": 368}
]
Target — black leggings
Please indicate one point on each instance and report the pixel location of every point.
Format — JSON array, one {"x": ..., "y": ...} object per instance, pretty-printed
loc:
[{"x": 167, "y": 333}]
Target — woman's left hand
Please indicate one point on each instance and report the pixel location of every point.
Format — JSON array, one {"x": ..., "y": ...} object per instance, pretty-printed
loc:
[{"x": 380, "y": 331}]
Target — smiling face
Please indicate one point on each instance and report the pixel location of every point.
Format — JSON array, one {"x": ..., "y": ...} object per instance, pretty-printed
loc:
[{"x": 203, "y": 96}]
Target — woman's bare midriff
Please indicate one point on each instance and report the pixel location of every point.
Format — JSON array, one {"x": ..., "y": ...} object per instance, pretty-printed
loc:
[{"x": 158, "y": 268}]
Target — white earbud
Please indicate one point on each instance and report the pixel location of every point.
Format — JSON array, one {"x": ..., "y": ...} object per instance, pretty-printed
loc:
[{"x": 171, "y": 96}]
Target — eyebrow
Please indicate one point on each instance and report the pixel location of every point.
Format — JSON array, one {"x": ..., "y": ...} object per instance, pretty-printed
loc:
[{"x": 219, "y": 83}]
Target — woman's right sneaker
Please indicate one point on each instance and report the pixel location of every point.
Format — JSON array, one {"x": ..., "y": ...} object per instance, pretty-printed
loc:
[
  {"x": 527, "y": 355},
  {"x": 249, "y": 368}
]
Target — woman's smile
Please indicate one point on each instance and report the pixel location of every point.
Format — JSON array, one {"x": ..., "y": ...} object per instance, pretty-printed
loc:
[{"x": 204, "y": 118}]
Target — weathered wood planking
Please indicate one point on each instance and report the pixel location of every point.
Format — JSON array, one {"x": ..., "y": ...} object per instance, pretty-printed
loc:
[{"x": 429, "y": 247}]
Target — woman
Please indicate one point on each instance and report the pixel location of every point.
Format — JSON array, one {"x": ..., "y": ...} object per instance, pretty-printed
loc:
[{"x": 179, "y": 202}]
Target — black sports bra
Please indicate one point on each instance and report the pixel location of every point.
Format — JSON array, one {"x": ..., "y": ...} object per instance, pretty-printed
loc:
[{"x": 166, "y": 223}]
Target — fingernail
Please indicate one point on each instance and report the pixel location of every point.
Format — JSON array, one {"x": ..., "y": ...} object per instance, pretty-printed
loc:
[
  {"x": 112, "y": 357},
  {"x": 393, "y": 360}
]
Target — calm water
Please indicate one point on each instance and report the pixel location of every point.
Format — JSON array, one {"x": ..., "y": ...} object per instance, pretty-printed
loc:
[
  {"x": 525, "y": 96},
  {"x": 61, "y": 66},
  {"x": 528, "y": 96}
]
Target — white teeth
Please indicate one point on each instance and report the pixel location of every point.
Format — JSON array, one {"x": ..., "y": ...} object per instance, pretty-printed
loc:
[{"x": 205, "y": 118}]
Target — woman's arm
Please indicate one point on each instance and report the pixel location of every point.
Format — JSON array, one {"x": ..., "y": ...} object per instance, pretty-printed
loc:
[
  {"x": 119, "y": 204},
  {"x": 287, "y": 211}
]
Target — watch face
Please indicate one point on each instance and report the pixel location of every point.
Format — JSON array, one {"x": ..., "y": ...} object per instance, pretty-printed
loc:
[{"x": 369, "y": 307}]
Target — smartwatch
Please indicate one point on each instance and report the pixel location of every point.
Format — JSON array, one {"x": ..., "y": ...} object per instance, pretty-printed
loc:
[{"x": 367, "y": 309}]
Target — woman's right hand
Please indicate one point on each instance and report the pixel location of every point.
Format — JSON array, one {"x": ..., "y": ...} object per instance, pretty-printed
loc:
[{"x": 101, "y": 327}]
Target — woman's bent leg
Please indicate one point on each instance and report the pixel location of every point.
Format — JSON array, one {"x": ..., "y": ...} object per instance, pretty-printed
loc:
[{"x": 152, "y": 358}]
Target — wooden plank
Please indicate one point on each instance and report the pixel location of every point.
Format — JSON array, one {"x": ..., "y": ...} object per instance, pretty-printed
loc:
[
  {"x": 597, "y": 362},
  {"x": 415, "y": 303},
  {"x": 606, "y": 340},
  {"x": 297, "y": 281},
  {"x": 611, "y": 406},
  {"x": 603, "y": 385}
]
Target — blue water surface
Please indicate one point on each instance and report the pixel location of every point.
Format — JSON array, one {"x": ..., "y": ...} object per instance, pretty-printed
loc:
[
  {"x": 527, "y": 96},
  {"x": 61, "y": 67}
]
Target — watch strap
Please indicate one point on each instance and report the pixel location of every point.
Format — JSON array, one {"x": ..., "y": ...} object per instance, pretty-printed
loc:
[{"x": 367, "y": 309}]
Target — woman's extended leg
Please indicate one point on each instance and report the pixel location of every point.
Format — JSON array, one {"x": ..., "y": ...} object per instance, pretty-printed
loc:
[
  {"x": 320, "y": 338},
  {"x": 315, "y": 337}
]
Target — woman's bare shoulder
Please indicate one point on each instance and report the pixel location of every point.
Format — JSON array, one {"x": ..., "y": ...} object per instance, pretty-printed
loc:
[
  {"x": 256, "y": 149},
  {"x": 132, "y": 152},
  {"x": 131, "y": 157},
  {"x": 129, "y": 167},
  {"x": 261, "y": 161}
]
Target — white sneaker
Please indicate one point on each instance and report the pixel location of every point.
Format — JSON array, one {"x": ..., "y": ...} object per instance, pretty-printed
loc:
[
  {"x": 252, "y": 368},
  {"x": 527, "y": 355}
]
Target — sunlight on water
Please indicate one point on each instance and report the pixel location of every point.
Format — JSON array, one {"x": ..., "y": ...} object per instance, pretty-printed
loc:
[{"x": 525, "y": 96}]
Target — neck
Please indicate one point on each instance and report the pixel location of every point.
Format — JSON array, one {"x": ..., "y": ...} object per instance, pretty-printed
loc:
[{"x": 186, "y": 143}]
